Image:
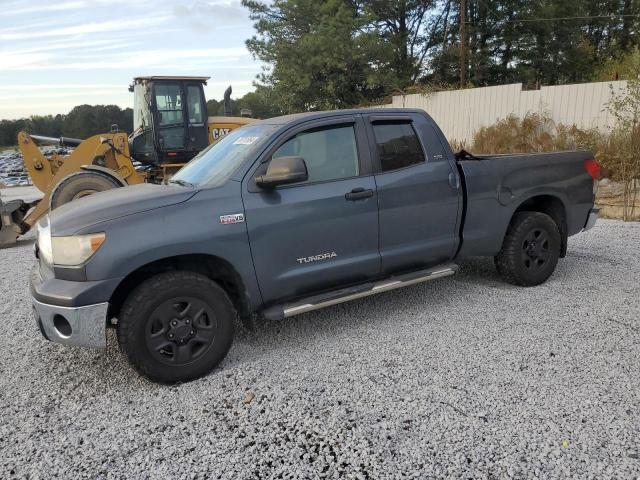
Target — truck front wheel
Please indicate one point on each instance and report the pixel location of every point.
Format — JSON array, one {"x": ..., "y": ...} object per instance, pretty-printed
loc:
[
  {"x": 176, "y": 326},
  {"x": 530, "y": 249}
]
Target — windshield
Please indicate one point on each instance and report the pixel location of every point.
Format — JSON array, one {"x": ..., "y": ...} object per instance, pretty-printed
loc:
[{"x": 215, "y": 164}]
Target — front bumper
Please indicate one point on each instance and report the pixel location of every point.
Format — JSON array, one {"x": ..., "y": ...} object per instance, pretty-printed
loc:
[
  {"x": 591, "y": 219},
  {"x": 83, "y": 326},
  {"x": 68, "y": 312}
]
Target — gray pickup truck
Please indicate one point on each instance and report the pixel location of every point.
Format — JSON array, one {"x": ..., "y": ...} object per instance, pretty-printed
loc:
[{"x": 293, "y": 214}]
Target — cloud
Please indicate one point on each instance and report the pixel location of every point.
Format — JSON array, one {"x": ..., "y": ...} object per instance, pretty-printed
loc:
[
  {"x": 75, "y": 44},
  {"x": 55, "y": 54},
  {"x": 156, "y": 58},
  {"x": 55, "y": 7},
  {"x": 87, "y": 28},
  {"x": 96, "y": 93},
  {"x": 62, "y": 86},
  {"x": 206, "y": 16}
]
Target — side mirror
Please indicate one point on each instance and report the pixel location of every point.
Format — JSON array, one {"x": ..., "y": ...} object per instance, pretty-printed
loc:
[{"x": 283, "y": 170}]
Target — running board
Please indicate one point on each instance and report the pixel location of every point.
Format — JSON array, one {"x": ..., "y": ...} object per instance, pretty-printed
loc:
[{"x": 279, "y": 312}]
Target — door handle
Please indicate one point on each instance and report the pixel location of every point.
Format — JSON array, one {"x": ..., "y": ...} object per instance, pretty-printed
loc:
[
  {"x": 358, "y": 194},
  {"x": 453, "y": 181}
]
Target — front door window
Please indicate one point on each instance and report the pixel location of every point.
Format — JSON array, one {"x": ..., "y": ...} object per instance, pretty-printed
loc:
[{"x": 330, "y": 153}]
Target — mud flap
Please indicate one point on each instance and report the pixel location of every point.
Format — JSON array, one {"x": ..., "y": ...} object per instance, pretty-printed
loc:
[{"x": 12, "y": 214}]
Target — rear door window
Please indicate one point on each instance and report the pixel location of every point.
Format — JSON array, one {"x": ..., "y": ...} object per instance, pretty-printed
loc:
[{"x": 397, "y": 145}]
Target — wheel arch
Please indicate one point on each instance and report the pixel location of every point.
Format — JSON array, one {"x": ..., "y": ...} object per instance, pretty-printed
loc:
[
  {"x": 553, "y": 206},
  {"x": 213, "y": 267}
]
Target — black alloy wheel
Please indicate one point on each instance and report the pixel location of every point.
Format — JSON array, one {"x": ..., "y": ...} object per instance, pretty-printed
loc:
[
  {"x": 180, "y": 330},
  {"x": 530, "y": 249},
  {"x": 176, "y": 326},
  {"x": 535, "y": 249}
]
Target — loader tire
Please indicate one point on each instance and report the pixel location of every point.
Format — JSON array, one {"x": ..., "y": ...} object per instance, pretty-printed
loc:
[
  {"x": 80, "y": 184},
  {"x": 176, "y": 326},
  {"x": 530, "y": 249}
]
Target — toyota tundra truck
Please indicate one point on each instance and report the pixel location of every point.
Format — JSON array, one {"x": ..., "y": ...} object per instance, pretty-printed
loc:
[{"x": 289, "y": 215}]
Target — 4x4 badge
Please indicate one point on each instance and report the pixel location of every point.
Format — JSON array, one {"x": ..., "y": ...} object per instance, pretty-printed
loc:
[{"x": 234, "y": 218}]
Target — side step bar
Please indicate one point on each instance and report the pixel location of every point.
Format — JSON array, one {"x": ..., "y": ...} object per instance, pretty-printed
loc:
[{"x": 316, "y": 302}]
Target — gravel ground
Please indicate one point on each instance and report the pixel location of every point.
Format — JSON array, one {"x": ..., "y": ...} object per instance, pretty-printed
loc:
[{"x": 463, "y": 377}]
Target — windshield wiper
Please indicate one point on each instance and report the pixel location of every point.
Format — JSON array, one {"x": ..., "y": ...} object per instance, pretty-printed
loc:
[{"x": 182, "y": 183}]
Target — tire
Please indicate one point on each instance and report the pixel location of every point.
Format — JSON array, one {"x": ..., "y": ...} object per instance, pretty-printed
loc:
[
  {"x": 80, "y": 184},
  {"x": 176, "y": 326},
  {"x": 530, "y": 249}
]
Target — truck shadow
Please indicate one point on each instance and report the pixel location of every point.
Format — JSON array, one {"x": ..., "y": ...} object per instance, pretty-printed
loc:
[
  {"x": 415, "y": 305},
  {"x": 253, "y": 345},
  {"x": 410, "y": 302}
]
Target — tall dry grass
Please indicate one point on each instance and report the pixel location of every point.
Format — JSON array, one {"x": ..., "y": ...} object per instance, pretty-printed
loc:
[{"x": 617, "y": 151}]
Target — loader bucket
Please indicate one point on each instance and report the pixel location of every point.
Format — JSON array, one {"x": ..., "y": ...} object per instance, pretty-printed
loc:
[{"x": 12, "y": 214}]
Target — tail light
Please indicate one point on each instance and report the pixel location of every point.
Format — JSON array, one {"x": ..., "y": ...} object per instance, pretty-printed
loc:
[{"x": 593, "y": 168}]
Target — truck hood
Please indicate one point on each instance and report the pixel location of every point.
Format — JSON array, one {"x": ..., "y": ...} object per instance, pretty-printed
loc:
[{"x": 119, "y": 202}]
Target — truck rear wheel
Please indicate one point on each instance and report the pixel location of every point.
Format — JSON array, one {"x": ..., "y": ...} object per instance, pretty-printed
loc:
[
  {"x": 80, "y": 184},
  {"x": 530, "y": 249},
  {"x": 176, "y": 326}
]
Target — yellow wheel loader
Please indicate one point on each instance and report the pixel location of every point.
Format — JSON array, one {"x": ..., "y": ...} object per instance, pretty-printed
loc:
[{"x": 170, "y": 128}]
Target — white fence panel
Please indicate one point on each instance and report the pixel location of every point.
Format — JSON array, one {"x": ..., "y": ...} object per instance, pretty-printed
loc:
[{"x": 460, "y": 113}]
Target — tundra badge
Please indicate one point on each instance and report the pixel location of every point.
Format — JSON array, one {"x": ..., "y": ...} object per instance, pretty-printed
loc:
[
  {"x": 234, "y": 218},
  {"x": 315, "y": 258}
]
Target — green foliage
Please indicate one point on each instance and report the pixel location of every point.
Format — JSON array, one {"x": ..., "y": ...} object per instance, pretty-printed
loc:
[
  {"x": 81, "y": 122},
  {"x": 316, "y": 61},
  {"x": 625, "y": 107},
  {"x": 548, "y": 42},
  {"x": 623, "y": 68},
  {"x": 260, "y": 102},
  {"x": 86, "y": 120},
  {"x": 341, "y": 53}
]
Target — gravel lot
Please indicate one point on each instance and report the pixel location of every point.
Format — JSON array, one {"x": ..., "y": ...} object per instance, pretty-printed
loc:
[{"x": 463, "y": 377}]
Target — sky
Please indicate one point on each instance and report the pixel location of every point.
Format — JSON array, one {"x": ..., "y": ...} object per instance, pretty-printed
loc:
[{"x": 56, "y": 54}]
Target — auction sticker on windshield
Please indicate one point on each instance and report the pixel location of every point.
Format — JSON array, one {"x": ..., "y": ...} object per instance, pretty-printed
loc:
[{"x": 245, "y": 140}]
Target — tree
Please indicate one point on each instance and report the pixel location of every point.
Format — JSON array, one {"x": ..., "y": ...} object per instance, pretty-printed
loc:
[
  {"x": 546, "y": 42},
  {"x": 83, "y": 121},
  {"x": 315, "y": 60},
  {"x": 340, "y": 53},
  {"x": 625, "y": 107},
  {"x": 621, "y": 68},
  {"x": 404, "y": 32},
  {"x": 86, "y": 120},
  {"x": 261, "y": 102}
]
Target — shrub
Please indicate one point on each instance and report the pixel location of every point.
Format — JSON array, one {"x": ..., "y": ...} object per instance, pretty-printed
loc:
[
  {"x": 533, "y": 133},
  {"x": 618, "y": 151}
]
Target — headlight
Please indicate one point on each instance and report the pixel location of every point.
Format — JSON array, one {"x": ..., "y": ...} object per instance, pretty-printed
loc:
[
  {"x": 75, "y": 249},
  {"x": 44, "y": 241}
]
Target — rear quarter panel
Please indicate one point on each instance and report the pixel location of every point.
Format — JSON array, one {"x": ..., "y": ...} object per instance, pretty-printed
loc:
[{"x": 496, "y": 186}]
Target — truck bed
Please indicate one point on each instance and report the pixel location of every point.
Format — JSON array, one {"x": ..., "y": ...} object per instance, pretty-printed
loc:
[{"x": 495, "y": 186}]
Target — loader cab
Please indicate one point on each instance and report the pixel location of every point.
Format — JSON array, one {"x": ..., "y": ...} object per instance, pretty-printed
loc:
[{"x": 169, "y": 119}]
